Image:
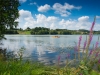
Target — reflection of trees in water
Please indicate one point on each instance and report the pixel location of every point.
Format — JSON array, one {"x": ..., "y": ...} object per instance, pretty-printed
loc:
[{"x": 5, "y": 55}]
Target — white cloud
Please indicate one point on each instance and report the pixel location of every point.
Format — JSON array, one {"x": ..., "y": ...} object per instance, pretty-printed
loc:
[
  {"x": 44, "y": 8},
  {"x": 63, "y": 10},
  {"x": 33, "y": 3},
  {"x": 39, "y": 20},
  {"x": 24, "y": 13},
  {"x": 83, "y": 18},
  {"x": 97, "y": 17},
  {"x": 25, "y": 16},
  {"x": 22, "y": 1}
]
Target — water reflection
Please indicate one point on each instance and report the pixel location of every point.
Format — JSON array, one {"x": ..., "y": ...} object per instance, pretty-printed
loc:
[{"x": 44, "y": 48}]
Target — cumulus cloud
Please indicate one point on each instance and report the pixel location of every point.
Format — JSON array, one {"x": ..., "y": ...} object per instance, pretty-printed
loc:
[
  {"x": 22, "y": 1},
  {"x": 63, "y": 10},
  {"x": 24, "y": 13},
  {"x": 44, "y": 8},
  {"x": 83, "y": 18},
  {"x": 26, "y": 19}
]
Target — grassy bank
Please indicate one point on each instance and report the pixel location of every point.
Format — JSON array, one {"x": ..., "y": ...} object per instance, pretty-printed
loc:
[
  {"x": 24, "y": 68},
  {"x": 24, "y": 32},
  {"x": 18, "y": 67}
]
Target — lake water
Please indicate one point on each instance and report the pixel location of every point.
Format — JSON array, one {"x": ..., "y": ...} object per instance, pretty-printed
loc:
[{"x": 45, "y": 48}]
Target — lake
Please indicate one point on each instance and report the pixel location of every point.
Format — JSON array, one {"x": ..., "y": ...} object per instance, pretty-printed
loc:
[{"x": 45, "y": 48}]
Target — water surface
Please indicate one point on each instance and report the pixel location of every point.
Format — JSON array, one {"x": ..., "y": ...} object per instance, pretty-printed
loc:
[{"x": 45, "y": 48}]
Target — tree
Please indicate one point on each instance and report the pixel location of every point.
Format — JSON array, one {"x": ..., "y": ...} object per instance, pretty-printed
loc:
[
  {"x": 28, "y": 28},
  {"x": 8, "y": 15}
]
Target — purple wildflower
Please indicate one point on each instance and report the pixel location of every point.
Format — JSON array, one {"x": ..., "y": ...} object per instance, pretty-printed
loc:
[
  {"x": 90, "y": 52},
  {"x": 91, "y": 32},
  {"x": 68, "y": 55},
  {"x": 96, "y": 54},
  {"x": 92, "y": 25},
  {"x": 84, "y": 45},
  {"x": 99, "y": 61},
  {"x": 75, "y": 48},
  {"x": 96, "y": 45},
  {"x": 80, "y": 38},
  {"x": 90, "y": 37},
  {"x": 59, "y": 58}
]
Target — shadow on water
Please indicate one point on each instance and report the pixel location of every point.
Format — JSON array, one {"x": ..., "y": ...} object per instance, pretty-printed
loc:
[{"x": 5, "y": 55}]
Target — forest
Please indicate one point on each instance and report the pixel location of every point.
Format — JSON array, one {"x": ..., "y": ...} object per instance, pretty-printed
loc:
[{"x": 47, "y": 31}]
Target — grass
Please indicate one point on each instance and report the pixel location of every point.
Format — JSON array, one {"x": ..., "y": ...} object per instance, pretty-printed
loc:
[
  {"x": 24, "y": 32},
  {"x": 27, "y": 68}
]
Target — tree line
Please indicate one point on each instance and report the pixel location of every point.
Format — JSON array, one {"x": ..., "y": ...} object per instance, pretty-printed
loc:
[{"x": 48, "y": 31}]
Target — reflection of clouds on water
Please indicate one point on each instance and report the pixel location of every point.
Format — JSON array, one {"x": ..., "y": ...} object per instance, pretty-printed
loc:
[
  {"x": 40, "y": 50},
  {"x": 44, "y": 48}
]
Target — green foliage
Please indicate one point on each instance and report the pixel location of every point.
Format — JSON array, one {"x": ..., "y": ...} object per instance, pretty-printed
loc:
[
  {"x": 47, "y": 31},
  {"x": 8, "y": 15},
  {"x": 9, "y": 31}
]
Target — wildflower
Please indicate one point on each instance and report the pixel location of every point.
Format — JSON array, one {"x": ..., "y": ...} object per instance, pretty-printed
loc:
[
  {"x": 92, "y": 25},
  {"x": 90, "y": 52},
  {"x": 99, "y": 61},
  {"x": 90, "y": 38},
  {"x": 59, "y": 58},
  {"x": 96, "y": 55},
  {"x": 80, "y": 38},
  {"x": 96, "y": 45},
  {"x": 91, "y": 32},
  {"x": 58, "y": 63},
  {"x": 90, "y": 35},
  {"x": 75, "y": 49},
  {"x": 68, "y": 55},
  {"x": 84, "y": 45},
  {"x": 91, "y": 29}
]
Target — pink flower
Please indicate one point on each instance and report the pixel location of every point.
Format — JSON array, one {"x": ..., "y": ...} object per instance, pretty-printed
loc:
[
  {"x": 75, "y": 49},
  {"x": 80, "y": 38},
  {"x": 99, "y": 61},
  {"x": 84, "y": 45},
  {"x": 68, "y": 55},
  {"x": 59, "y": 58},
  {"x": 92, "y": 25},
  {"x": 91, "y": 32},
  {"x": 96, "y": 54},
  {"x": 96, "y": 45},
  {"x": 90, "y": 37},
  {"x": 90, "y": 52}
]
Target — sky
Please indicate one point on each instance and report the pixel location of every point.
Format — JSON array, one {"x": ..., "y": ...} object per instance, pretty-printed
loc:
[{"x": 59, "y": 14}]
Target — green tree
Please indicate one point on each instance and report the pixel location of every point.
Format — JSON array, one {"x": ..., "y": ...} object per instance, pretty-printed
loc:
[
  {"x": 8, "y": 15},
  {"x": 28, "y": 28}
]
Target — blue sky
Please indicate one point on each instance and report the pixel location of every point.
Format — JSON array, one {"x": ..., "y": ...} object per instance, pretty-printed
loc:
[{"x": 63, "y": 14}]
